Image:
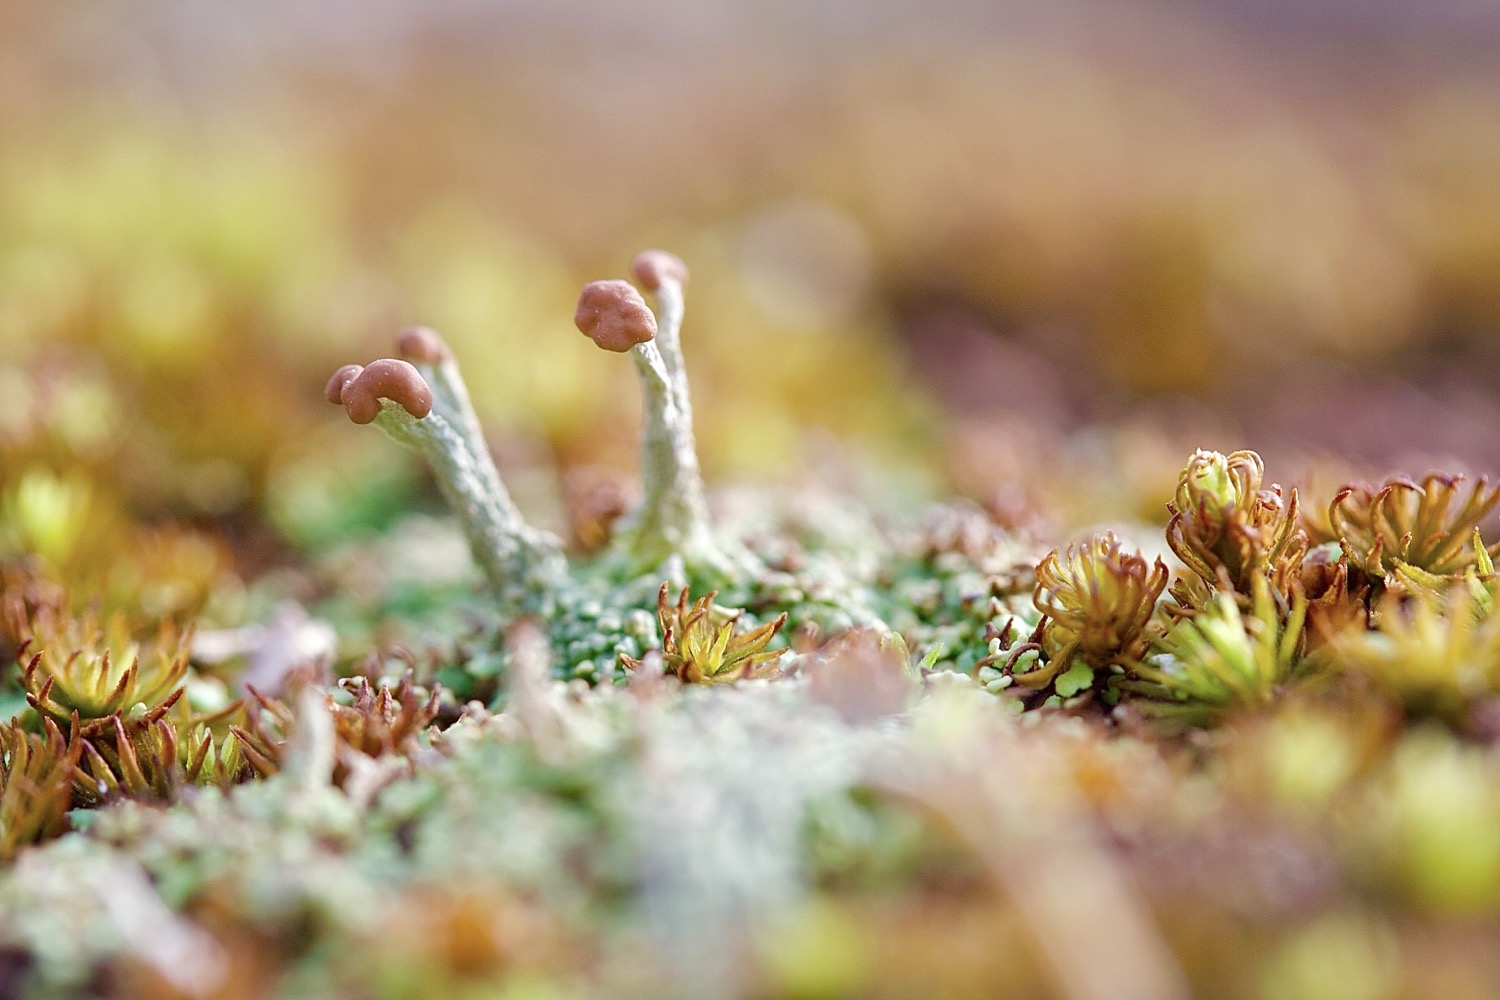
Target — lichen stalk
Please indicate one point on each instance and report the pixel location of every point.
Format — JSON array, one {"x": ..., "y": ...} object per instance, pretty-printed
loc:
[
  {"x": 430, "y": 355},
  {"x": 672, "y": 522},
  {"x": 676, "y": 508},
  {"x": 673, "y": 515},
  {"x": 522, "y": 570},
  {"x": 524, "y": 567},
  {"x": 526, "y": 550}
]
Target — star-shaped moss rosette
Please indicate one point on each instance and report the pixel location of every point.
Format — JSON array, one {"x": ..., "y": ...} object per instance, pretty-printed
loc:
[
  {"x": 153, "y": 759},
  {"x": 1228, "y": 528},
  {"x": 1408, "y": 524},
  {"x": 1223, "y": 658},
  {"x": 75, "y": 667},
  {"x": 1436, "y": 652},
  {"x": 369, "y": 720},
  {"x": 130, "y": 760},
  {"x": 36, "y": 780},
  {"x": 702, "y": 644},
  {"x": 1337, "y": 599},
  {"x": 380, "y": 720},
  {"x": 1097, "y": 597}
]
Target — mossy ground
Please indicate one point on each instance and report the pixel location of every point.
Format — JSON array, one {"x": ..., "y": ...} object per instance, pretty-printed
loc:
[{"x": 591, "y": 833}]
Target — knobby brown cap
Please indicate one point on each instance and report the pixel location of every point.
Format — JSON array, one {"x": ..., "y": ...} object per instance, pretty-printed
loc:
[
  {"x": 614, "y": 316},
  {"x": 334, "y": 390},
  {"x": 423, "y": 345},
  {"x": 652, "y": 267},
  {"x": 362, "y": 389}
]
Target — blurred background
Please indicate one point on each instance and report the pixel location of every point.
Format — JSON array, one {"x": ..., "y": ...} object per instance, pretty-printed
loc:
[{"x": 1031, "y": 252}]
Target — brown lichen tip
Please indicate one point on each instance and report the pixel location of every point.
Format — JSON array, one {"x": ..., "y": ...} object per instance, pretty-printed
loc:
[
  {"x": 652, "y": 267},
  {"x": 334, "y": 390},
  {"x": 421, "y": 344},
  {"x": 614, "y": 316},
  {"x": 389, "y": 379}
]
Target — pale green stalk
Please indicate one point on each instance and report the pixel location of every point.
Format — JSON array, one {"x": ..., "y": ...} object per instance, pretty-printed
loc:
[{"x": 524, "y": 566}]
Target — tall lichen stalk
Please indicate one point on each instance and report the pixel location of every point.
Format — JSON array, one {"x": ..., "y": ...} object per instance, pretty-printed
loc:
[
  {"x": 425, "y": 406},
  {"x": 671, "y": 532},
  {"x": 674, "y": 515}
]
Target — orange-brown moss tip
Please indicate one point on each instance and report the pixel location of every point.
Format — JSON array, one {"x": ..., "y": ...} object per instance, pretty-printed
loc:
[
  {"x": 422, "y": 345},
  {"x": 614, "y": 316},
  {"x": 389, "y": 379},
  {"x": 334, "y": 390},
  {"x": 1097, "y": 596},
  {"x": 652, "y": 267}
]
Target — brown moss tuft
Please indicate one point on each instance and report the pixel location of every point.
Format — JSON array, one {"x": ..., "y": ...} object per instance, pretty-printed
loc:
[
  {"x": 36, "y": 773},
  {"x": 1098, "y": 596},
  {"x": 1413, "y": 524},
  {"x": 380, "y": 722}
]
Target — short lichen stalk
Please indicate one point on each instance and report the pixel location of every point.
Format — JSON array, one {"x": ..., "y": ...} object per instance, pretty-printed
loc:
[
  {"x": 673, "y": 517},
  {"x": 524, "y": 567}
]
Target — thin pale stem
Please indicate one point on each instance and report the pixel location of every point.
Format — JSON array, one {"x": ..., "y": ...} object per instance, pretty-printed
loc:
[
  {"x": 522, "y": 565},
  {"x": 674, "y": 514},
  {"x": 450, "y": 400},
  {"x": 670, "y": 308}
]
